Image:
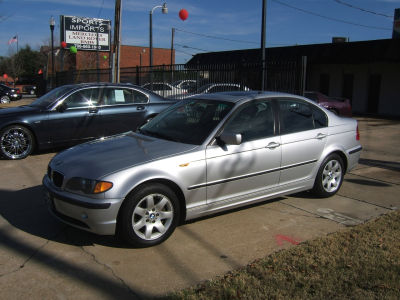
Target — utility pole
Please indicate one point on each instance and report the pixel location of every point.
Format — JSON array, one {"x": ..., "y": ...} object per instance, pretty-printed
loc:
[
  {"x": 172, "y": 54},
  {"x": 97, "y": 54},
  {"x": 117, "y": 41},
  {"x": 263, "y": 38},
  {"x": 172, "y": 46}
]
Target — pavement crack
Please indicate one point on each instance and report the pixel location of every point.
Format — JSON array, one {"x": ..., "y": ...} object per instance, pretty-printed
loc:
[
  {"x": 295, "y": 214},
  {"x": 314, "y": 215},
  {"x": 363, "y": 201},
  {"x": 34, "y": 253},
  {"x": 106, "y": 266}
]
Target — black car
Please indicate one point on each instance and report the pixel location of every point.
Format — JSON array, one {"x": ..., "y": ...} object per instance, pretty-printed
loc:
[
  {"x": 29, "y": 89},
  {"x": 8, "y": 93},
  {"x": 73, "y": 114}
]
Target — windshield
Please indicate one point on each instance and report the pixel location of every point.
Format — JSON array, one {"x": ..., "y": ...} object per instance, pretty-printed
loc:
[
  {"x": 203, "y": 88},
  {"x": 51, "y": 96},
  {"x": 189, "y": 122}
]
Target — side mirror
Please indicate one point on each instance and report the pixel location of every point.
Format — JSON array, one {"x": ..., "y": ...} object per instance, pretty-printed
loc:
[{"x": 231, "y": 138}]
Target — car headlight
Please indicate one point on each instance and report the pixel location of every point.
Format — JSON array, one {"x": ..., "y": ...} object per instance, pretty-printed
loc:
[{"x": 88, "y": 186}]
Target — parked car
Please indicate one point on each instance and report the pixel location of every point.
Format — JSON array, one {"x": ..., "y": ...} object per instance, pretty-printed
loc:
[
  {"x": 29, "y": 89},
  {"x": 164, "y": 89},
  {"x": 8, "y": 93},
  {"x": 219, "y": 87},
  {"x": 73, "y": 114},
  {"x": 185, "y": 84},
  {"x": 340, "y": 106},
  {"x": 203, "y": 155}
]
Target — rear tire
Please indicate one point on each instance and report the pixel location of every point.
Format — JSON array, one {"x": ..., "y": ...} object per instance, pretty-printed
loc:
[
  {"x": 149, "y": 215},
  {"x": 330, "y": 177}
]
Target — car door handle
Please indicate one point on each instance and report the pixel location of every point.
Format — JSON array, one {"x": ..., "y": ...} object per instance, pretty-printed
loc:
[
  {"x": 140, "y": 107},
  {"x": 273, "y": 145},
  {"x": 321, "y": 136}
]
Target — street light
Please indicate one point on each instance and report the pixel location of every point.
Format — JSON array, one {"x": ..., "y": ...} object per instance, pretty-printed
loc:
[
  {"x": 140, "y": 58},
  {"x": 140, "y": 61},
  {"x": 164, "y": 10},
  {"x": 52, "y": 23}
]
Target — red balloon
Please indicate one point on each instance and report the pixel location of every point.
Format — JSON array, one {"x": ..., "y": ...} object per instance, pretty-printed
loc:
[
  {"x": 63, "y": 44},
  {"x": 5, "y": 76},
  {"x": 183, "y": 14}
]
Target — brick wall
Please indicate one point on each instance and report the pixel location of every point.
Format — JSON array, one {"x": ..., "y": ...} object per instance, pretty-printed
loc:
[{"x": 130, "y": 57}]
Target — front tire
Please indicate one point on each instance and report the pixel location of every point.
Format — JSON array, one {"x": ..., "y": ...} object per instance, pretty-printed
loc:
[
  {"x": 330, "y": 176},
  {"x": 16, "y": 142},
  {"x": 149, "y": 215}
]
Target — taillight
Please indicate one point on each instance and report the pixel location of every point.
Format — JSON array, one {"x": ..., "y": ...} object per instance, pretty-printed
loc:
[{"x": 358, "y": 134}]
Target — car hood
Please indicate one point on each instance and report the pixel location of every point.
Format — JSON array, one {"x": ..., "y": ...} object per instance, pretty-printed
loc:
[
  {"x": 19, "y": 110},
  {"x": 105, "y": 156}
]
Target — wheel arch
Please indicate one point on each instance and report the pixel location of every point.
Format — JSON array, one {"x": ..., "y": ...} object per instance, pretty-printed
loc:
[
  {"x": 172, "y": 185},
  {"x": 343, "y": 156}
]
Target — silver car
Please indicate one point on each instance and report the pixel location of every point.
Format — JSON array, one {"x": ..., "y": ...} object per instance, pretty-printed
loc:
[{"x": 202, "y": 155}]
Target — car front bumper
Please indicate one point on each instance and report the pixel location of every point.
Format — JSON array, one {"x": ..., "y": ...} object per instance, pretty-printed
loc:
[
  {"x": 15, "y": 96},
  {"x": 94, "y": 215}
]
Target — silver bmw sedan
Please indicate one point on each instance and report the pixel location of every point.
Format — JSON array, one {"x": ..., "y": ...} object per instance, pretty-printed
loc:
[{"x": 203, "y": 155}]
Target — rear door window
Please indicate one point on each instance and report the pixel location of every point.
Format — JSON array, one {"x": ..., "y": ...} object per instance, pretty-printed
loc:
[
  {"x": 118, "y": 96},
  {"x": 295, "y": 116}
]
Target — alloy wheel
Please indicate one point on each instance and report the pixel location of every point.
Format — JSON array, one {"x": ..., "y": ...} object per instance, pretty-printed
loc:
[
  {"x": 16, "y": 143},
  {"x": 332, "y": 176},
  {"x": 152, "y": 216},
  {"x": 4, "y": 99}
]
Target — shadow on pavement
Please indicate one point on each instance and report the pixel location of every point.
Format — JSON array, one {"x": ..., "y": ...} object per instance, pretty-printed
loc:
[
  {"x": 114, "y": 289},
  {"x": 367, "y": 182},
  {"x": 26, "y": 210},
  {"x": 388, "y": 165}
]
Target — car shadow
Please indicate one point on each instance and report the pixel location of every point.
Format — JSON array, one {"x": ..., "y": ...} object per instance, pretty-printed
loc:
[
  {"x": 368, "y": 182},
  {"x": 26, "y": 210},
  {"x": 388, "y": 165},
  {"x": 233, "y": 210}
]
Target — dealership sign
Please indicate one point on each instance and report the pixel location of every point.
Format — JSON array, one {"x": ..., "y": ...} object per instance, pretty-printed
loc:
[{"x": 86, "y": 33}]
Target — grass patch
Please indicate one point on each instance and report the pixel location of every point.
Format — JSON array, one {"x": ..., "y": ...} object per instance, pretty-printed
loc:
[{"x": 360, "y": 263}]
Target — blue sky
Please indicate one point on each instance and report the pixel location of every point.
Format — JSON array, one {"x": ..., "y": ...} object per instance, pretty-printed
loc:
[{"x": 238, "y": 20}]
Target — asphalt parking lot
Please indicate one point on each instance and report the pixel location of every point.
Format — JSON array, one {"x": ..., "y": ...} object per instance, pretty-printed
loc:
[{"x": 41, "y": 258}]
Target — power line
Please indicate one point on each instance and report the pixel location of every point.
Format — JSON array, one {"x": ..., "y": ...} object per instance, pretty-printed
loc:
[
  {"x": 221, "y": 38},
  {"x": 184, "y": 46},
  {"x": 329, "y": 18},
  {"x": 215, "y": 37},
  {"x": 187, "y": 53},
  {"x": 363, "y": 9}
]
